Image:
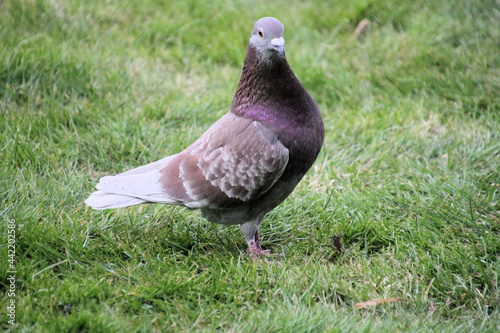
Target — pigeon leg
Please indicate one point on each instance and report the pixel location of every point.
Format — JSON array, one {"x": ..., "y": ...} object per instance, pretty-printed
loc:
[
  {"x": 254, "y": 247},
  {"x": 251, "y": 232}
]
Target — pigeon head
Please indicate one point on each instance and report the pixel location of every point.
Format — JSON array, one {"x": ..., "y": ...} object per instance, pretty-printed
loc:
[{"x": 267, "y": 38}]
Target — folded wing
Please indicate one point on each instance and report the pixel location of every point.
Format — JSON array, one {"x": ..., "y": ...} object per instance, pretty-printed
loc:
[{"x": 235, "y": 161}]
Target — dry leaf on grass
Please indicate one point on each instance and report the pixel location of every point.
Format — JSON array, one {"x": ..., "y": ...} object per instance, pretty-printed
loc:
[
  {"x": 374, "y": 302},
  {"x": 361, "y": 29}
]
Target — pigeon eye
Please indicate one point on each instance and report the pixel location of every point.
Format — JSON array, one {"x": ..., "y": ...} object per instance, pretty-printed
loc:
[{"x": 261, "y": 34}]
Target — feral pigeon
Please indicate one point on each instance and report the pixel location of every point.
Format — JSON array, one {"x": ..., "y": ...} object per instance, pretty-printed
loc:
[{"x": 246, "y": 163}]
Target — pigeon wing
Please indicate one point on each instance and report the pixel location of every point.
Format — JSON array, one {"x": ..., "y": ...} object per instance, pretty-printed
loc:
[{"x": 235, "y": 161}]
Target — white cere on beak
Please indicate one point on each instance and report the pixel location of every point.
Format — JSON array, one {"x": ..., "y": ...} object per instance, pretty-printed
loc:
[
  {"x": 279, "y": 45},
  {"x": 278, "y": 42}
]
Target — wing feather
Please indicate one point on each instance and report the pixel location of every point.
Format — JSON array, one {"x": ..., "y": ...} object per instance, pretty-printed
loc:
[{"x": 235, "y": 161}]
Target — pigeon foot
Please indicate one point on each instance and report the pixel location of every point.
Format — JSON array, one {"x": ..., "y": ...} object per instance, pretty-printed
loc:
[{"x": 255, "y": 250}]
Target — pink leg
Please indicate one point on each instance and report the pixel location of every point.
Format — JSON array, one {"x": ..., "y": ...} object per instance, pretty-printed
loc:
[{"x": 254, "y": 248}]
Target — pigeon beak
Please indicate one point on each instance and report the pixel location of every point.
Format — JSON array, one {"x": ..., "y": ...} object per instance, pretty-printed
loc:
[{"x": 279, "y": 45}]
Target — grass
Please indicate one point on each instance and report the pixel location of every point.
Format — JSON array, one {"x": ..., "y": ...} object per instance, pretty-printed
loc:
[{"x": 409, "y": 172}]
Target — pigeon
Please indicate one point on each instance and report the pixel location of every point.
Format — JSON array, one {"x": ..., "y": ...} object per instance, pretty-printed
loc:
[{"x": 246, "y": 163}]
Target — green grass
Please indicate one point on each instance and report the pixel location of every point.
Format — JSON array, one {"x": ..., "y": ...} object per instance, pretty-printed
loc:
[{"x": 409, "y": 172}]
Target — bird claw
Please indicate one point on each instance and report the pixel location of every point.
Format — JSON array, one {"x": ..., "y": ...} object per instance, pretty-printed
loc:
[
  {"x": 256, "y": 257},
  {"x": 257, "y": 252},
  {"x": 266, "y": 253}
]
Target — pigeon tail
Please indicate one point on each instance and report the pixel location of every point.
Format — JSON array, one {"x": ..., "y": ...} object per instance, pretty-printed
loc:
[
  {"x": 105, "y": 200},
  {"x": 136, "y": 186}
]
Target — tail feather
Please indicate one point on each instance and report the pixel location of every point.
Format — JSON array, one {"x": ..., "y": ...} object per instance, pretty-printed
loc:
[
  {"x": 133, "y": 187},
  {"x": 106, "y": 200},
  {"x": 158, "y": 165}
]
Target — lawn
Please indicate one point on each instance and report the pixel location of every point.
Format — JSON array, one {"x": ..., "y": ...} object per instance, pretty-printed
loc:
[{"x": 408, "y": 175}]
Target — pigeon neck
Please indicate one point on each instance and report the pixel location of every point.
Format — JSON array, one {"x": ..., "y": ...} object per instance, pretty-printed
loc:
[{"x": 264, "y": 84}]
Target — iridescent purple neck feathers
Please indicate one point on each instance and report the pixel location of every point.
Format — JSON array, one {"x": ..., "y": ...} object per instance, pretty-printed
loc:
[{"x": 269, "y": 87}]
